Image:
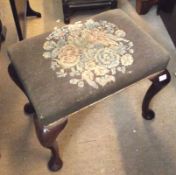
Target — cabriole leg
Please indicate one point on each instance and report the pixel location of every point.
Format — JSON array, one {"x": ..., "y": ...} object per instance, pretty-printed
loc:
[
  {"x": 46, "y": 134},
  {"x": 55, "y": 163},
  {"x": 47, "y": 137},
  {"x": 158, "y": 83},
  {"x": 29, "y": 109}
]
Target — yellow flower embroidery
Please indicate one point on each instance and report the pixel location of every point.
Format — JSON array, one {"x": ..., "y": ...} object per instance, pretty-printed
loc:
[{"x": 68, "y": 56}]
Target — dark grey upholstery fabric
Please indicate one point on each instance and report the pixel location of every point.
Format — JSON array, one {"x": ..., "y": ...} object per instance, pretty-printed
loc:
[{"x": 54, "y": 98}]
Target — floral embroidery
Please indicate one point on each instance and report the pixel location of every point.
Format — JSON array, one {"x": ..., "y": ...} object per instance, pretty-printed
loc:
[
  {"x": 68, "y": 56},
  {"x": 91, "y": 52}
]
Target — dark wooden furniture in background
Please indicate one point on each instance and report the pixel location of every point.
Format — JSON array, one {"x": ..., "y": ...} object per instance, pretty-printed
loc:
[
  {"x": 21, "y": 9},
  {"x": 143, "y": 6},
  {"x": 168, "y": 16},
  {"x": 166, "y": 9},
  {"x": 166, "y": 5},
  {"x": 70, "y": 5}
]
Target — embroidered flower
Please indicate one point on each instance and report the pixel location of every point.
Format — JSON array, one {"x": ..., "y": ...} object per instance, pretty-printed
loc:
[
  {"x": 77, "y": 26},
  {"x": 120, "y": 33},
  {"x": 90, "y": 65},
  {"x": 68, "y": 56},
  {"x": 100, "y": 70},
  {"x": 96, "y": 36},
  {"x": 126, "y": 60},
  {"x": 104, "y": 80},
  {"x": 47, "y": 55},
  {"x": 107, "y": 57},
  {"x": 89, "y": 53},
  {"x": 48, "y": 45},
  {"x": 88, "y": 76},
  {"x": 91, "y": 24}
]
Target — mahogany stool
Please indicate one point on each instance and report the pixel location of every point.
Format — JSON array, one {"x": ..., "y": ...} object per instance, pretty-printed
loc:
[{"x": 77, "y": 65}]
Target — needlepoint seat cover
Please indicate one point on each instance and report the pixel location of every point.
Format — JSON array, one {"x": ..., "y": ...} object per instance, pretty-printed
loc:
[{"x": 79, "y": 64}]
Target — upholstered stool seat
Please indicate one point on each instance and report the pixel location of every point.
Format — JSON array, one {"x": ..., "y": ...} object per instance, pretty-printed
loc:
[{"x": 124, "y": 54}]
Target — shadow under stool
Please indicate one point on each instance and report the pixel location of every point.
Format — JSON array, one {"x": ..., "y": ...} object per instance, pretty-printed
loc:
[{"x": 77, "y": 65}]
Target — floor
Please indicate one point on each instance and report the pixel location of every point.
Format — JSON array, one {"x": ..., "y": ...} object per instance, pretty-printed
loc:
[{"x": 109, "y": 138}]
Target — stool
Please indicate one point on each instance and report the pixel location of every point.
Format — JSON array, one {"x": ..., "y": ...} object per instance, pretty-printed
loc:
[
  {"x": 70, "y": 5},
  {"x": 80, "y": 64}
]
